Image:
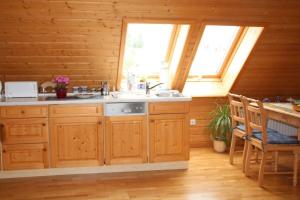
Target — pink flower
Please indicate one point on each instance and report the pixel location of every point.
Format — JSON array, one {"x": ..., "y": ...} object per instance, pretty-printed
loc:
[{"x": 61, "y": 81}]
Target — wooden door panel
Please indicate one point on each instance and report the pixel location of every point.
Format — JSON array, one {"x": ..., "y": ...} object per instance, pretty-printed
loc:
[
  {"x": 76, "y": 141},
  {"x": 123, "y": 131},
  {"x": 169, "y": 138},
  {"x": 25, "y": 156},
  {"x": 126, "y": 140},
  {"x": 20, "y": 131}
]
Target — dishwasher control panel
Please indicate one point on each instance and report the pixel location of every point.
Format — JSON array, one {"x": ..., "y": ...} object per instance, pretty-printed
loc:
[{"x": 125, "y": 108}]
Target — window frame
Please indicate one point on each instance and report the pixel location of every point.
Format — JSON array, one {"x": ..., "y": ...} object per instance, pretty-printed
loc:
[
  {"x": 172, "y": 44},
  {"x": 229, "y": 56}
]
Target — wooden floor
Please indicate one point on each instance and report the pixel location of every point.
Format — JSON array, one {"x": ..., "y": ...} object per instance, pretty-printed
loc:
[{"x": 209, "y": 177}]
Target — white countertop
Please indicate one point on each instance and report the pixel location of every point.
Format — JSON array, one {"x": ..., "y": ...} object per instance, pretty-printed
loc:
[{"x": 42, "y": 100}]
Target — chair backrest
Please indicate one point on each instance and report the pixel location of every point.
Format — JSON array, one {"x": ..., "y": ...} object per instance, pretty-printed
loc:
[
  {"x": 256, "y": 117},
  {"x": 237, "y": 110}
]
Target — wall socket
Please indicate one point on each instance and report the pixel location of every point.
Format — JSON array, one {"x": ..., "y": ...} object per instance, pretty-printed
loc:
[{"x": 193, "y": 122}]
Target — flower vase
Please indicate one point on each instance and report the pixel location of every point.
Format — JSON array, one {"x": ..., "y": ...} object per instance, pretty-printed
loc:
[{"x": 61, "y": 93}]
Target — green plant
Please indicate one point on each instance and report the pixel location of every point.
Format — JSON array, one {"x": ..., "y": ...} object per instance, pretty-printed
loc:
[{"x": 220, "y": 124}]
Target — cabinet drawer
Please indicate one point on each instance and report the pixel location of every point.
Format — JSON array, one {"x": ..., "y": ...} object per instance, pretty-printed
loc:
[
  {"x": 76, "y": 110},
  {"x": 168, "y": 107},
  {"x": 24, "y": 111},
  {"x": 32, "y": 130},
  {"x": 25, "y": 156}
]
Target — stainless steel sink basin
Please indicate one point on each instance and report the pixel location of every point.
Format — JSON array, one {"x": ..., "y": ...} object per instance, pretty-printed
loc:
[
  {"x": 54, "y": 98},
  {"x": 169, "y": 95}
]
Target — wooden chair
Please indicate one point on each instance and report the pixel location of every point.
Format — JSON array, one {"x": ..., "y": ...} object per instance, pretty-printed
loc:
[
  {"x": 239, "y": 126},
  {"x": 267, "y": 140}
]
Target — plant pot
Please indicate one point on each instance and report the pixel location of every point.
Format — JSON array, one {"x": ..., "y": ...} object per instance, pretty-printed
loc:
[
  {"x": 219, "y": 146},
  {"x": 61, "y": 93}
]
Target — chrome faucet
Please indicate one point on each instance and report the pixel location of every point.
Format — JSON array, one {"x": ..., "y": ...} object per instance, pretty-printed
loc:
[{"x": 148, "y": 88}]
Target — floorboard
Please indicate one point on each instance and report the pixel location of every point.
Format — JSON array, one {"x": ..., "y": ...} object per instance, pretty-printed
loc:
[{"x": 209, "y": 177}]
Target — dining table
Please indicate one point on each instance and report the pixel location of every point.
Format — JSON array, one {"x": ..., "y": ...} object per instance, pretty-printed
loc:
[{"x": 284, "y": 113}]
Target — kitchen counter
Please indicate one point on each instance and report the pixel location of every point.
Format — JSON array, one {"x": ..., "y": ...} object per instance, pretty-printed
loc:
[{"x": 125, "y": 97}]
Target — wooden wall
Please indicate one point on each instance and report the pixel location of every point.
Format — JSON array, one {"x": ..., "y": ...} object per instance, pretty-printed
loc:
[
  {"x": 200, "y": 109},
  {"x": 80, "y": 38}
]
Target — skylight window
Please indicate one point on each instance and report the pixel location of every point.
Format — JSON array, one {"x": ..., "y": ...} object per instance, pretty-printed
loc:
[
  {"x": 238, "y": 44},
  {"x": 151, "y": 51},
  {"x": 214, "y": 51},
  {"x": 146, "y": 48}
]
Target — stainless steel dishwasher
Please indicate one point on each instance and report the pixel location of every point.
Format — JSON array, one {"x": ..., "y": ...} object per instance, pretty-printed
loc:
[{"x": 126, "y": 133}]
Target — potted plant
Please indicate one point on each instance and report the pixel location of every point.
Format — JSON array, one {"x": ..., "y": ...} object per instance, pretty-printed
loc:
[
  {"x": 220, "y": 127},
  {"x": 61, "y": 86}
]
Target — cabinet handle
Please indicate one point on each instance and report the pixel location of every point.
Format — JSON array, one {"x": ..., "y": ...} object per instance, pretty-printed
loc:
[
  {"x": 152, "y": 120},
  {"x": 100, "y": 123},
  {"x": 1, "y": 132},
  {"x": 44, "y": 124},
  {"x": 44, "y": 149},
  {"x": 22, "y": 111},
  {"x": 4, "y": 151}
]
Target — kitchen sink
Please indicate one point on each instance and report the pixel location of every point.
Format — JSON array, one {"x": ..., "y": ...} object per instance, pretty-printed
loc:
[
  {"x": 73, "y": 97},
  {"x": 53, "y": 98},
  {"x": 169, "y": 95}
]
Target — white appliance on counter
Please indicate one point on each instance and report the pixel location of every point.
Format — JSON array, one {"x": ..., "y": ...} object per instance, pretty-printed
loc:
[{"x": 21, "y": 89}]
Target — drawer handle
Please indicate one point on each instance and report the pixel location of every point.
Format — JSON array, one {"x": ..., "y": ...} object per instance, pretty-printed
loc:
[
  {"x": 44, "y": 149},
  {"x": 23, "y": 111},
  {"x": 152, "y": 121},
  {"x": 44, "y": 124},
  {"x": 2, "y": 132},
  {"x": 100, "y": 123}
]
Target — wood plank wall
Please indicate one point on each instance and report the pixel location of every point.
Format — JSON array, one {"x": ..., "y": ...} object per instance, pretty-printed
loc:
[
  {"x": 200, "y": 109},
  {"x": 80, "y": 38}
]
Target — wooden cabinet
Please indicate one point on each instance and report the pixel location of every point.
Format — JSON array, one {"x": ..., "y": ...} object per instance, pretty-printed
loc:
[
  {"x": 25, "y": 156},
  {"x": 22, "y": 131},
  {"x": 76, "y": 141},
  {"x": 169, "y": 137},
  {"x": 76, "y": 134},
  {"x": 126, "y": 140},
  {"x": 24, "y": 135}
]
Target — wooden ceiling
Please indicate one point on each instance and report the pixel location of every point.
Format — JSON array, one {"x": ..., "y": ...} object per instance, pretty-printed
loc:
[{"x": 81, "y": 39}]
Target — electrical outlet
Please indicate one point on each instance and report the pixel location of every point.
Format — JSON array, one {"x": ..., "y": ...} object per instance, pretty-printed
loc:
[{"x": 193, "y": 122}]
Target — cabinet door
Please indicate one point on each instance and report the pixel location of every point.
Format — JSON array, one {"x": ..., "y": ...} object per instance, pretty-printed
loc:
[
  {"x": 169, "y": 138},
  {"x": 25, "y": 156},
  {"x": 20, "y": 131},
  {"x": 126, "y": 140},
  {"x": 76, "y": 141}
]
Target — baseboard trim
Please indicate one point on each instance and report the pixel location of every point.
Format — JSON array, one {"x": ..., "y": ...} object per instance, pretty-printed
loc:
[{"x": 94, "y": 170}]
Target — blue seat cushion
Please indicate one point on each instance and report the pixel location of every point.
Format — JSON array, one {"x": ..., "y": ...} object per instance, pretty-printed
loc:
[
  {"x": 243, "y": 128},
  {"x": 275, "y": 137}
]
